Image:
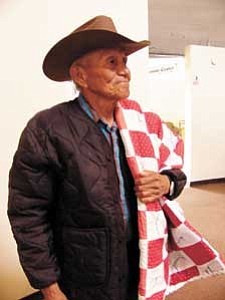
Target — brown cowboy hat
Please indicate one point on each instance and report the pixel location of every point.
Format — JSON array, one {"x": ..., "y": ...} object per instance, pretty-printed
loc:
[{"x": 99, "y": 32}]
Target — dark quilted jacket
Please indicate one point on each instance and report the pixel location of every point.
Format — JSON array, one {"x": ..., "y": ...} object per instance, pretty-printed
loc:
[
  {"x": 64, "y": 206},
  {"x": 63, "y": 177}
]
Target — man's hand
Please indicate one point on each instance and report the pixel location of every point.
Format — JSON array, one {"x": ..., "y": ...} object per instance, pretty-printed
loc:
[
  {"x": 53, "y": 292},
  {"x": 150, "y": 186}
]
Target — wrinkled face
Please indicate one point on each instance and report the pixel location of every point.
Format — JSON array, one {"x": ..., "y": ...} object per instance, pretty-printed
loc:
[{"x": 105, "y": 73}]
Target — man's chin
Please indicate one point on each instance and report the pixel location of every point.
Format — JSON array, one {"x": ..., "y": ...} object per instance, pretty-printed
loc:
[
  {"x": 118, "y": 95},
  {"x": 124, "y": 94}
]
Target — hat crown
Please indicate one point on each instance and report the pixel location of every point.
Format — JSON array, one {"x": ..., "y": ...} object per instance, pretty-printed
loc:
[{"x": 98, "y": 23}]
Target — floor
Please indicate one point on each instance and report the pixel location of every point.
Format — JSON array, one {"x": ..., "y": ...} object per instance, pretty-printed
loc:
[{"x": 204, "y": 207}]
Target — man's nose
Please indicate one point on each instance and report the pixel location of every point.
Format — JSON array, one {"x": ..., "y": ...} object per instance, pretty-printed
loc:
[{"x": 124, "y": 70}]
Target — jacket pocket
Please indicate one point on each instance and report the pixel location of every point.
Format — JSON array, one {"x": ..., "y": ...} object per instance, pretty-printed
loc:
[{"x": 86, "y": 256}]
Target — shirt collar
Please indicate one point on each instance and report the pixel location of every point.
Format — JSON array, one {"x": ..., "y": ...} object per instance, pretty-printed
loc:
[{"x": 91, "y": 112}]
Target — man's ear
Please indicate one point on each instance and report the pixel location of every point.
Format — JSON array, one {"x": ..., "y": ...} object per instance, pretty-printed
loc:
[{"x": 77, "y": 74}]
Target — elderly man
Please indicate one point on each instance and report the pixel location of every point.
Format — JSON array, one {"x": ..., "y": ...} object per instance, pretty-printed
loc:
[{"x": 72, "y": 198}]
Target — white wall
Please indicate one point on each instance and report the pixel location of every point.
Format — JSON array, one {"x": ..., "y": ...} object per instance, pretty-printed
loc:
[
  {"x": 205, "y": 111},
  {"x": 192, "y": 89},
  {"x": 28, "y": 29}
]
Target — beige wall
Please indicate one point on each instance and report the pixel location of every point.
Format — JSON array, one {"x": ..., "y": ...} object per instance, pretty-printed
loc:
[{"x": 27, "y": 30}]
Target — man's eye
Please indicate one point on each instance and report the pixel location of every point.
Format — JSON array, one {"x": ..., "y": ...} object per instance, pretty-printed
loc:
[{"x": 112, "y": 61}]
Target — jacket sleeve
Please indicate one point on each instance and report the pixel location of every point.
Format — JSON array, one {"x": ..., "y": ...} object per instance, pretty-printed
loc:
[
  {"x": 31, "y": 195},
  {"x": 178, "y": 178}
]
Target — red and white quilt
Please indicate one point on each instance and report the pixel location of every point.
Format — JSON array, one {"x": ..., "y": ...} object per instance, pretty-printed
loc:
[{"x": 172, "y": 252}]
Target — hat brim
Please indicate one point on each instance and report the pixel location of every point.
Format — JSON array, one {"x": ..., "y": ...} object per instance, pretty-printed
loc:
[{"x": 61, "y": 56}]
